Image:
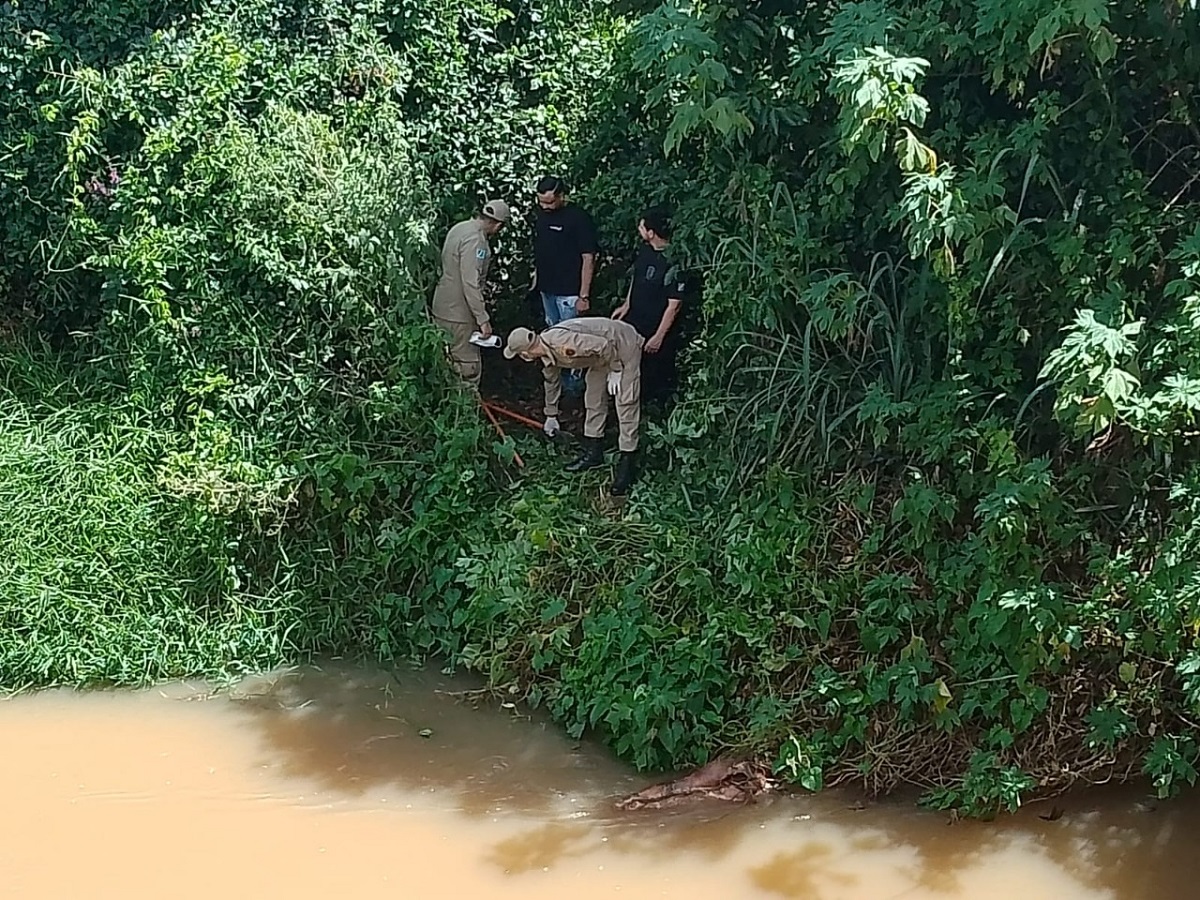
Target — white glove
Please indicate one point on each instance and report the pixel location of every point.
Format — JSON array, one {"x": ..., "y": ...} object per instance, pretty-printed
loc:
[
  {"x": 480, "y": 341},
  {"x": 551, "y": 426},
  {"x": 614, "y": 382}
]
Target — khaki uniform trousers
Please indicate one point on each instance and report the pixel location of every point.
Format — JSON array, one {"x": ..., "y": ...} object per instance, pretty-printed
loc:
[
  {"x": 628, "y": 403},
  {"x": 464, "y": 355}
]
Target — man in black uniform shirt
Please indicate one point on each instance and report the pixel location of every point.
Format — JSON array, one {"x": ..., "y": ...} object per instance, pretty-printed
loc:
[
  {"x": 653, "y": 303},
  {"x": 564, "y": 254}
]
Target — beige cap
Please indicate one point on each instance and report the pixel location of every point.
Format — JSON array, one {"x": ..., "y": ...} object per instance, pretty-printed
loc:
[
  {"x": 519, "y": 340},
  {"x": 496, "y": 209}
]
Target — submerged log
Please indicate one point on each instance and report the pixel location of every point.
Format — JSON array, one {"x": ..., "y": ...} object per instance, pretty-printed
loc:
[{"x": 736, "y": 781}]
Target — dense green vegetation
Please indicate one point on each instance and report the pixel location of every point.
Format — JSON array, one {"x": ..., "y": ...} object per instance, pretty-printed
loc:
[{"x": 928, "y": 512}]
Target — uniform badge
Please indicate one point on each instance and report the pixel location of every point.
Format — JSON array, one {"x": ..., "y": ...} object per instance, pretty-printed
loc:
[{"x": 481, "y": 253}]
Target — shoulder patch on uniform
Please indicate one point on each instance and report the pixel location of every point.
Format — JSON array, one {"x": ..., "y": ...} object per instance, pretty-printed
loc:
[
  {"x": 481, "y": 253},
  {"x": 568, "y": 351}
]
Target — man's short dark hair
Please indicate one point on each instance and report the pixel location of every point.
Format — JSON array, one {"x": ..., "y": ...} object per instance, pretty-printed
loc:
[
  {"x": 658, "y": 220},
  {"x": 551, "y": 184}
]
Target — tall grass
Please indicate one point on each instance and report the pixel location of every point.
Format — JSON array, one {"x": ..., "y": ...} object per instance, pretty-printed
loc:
[{"x": 105, "y": 576}]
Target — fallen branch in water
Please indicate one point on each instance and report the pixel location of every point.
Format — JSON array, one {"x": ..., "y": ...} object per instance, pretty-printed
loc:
[{"x": 732, "y": 781}]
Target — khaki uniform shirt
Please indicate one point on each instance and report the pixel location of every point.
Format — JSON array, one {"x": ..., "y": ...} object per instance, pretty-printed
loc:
[
  {"x": 593, "y": 343},
  {"x": 466, "y": 258}
]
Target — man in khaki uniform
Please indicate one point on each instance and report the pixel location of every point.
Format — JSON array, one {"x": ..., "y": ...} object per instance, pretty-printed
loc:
[
  {"x": 611, "y": 353},
  {"x": 458, "y": 307}
]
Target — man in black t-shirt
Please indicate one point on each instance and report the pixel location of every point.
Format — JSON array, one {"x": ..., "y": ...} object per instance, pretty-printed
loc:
[
  {"x": 653, "y": 303},
  {"x": 565, "y": 245}
]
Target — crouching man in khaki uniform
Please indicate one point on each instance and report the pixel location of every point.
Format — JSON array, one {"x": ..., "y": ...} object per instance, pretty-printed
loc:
[
  {"x": 458, "y": 307},
  {"x": 611, "y": 353}
]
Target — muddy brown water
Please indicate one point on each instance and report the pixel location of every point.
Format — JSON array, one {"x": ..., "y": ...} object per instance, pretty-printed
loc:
[{"x": 318, "y": 783}]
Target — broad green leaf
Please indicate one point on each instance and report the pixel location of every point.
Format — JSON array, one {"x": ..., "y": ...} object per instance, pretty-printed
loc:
[
  {"x": 1104, "y": 45},
  {"x": 1118, "y": 385}
]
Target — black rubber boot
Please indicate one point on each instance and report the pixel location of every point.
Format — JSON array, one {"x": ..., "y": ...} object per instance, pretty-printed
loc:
[
  {"x": 592, "y": 456},
  {"x": 626, "y": 474}
]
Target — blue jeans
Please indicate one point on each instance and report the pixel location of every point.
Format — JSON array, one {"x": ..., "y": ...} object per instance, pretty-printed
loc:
[{"x": 559, "y": 309}]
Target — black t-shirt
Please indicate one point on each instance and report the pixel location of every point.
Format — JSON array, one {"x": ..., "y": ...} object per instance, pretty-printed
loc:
[
  {"x": 655, "y": 281},
  {"x": 561, "y": 237}
]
